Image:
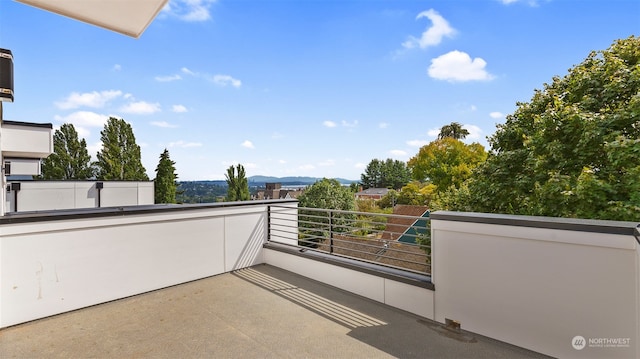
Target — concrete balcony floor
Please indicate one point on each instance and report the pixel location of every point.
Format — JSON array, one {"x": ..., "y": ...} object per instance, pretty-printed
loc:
[{"x": 259, "y": 312}]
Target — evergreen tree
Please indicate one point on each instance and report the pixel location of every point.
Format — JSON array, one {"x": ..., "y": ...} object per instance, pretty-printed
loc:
[
  {"x": 385, "y": 174},
  {"x": 70, "y": 159},
  {"x": 238, "y": 184},
  {"x": 120, "y": 158},
  {"x": 165, "y": 185}
]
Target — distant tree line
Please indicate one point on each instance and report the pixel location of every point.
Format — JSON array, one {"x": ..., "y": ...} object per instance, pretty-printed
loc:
[{"x": 200, "y": 192}]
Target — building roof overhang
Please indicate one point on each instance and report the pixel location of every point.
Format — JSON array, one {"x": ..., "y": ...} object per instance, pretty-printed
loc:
[{"x": 128, "y": 17}]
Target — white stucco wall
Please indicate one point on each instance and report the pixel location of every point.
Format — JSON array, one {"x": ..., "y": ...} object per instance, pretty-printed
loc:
[
  {"x": 407, "y": 297},
  {"x": 538, "y": 288},
  {"x": 52, "y": 195},
  {"x": 51, "y": 267}
]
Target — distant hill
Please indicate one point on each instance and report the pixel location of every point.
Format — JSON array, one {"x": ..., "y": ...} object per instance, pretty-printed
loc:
[
  {"x": 210, "y": 191},
  {"x": 290, "y": 181}
]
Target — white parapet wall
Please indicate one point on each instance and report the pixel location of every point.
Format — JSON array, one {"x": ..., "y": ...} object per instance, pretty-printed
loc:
[
  {"x": 74, "y": 259},
  {"x": 53, "y": 195},
  {"x": 565, "y": 288},
  {"x": 363, "y": 280}
]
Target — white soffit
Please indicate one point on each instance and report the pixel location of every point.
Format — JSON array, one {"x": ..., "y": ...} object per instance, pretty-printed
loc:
[{"x": 129, "y": 17}]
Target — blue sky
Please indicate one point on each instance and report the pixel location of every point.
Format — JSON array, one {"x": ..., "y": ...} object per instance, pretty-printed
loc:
[{"x": 300, "y": 88}]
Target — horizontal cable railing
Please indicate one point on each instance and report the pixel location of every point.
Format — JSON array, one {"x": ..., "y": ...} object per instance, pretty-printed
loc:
[{"x": 393, "y": 240}]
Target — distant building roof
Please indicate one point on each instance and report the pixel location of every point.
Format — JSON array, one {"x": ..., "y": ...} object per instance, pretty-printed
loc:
[{"x": 373, "y": 192}]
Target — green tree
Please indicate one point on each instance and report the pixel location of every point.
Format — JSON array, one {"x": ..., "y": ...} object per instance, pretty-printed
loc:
[
  {"x": 238, "y": 185},
  {"x": 324, "y": 194},
  {"x": 165, "y": 184},
  {"x": 414, "y": 193},
  {"x": 385, "y": 174},
  {"x": 70, "y": 159},
  {"x": 453, "y": 130},
  {"x": 446, "y": 162},
  {"x": 119, "y": 159},
  {"x": 574, "y": 149}
]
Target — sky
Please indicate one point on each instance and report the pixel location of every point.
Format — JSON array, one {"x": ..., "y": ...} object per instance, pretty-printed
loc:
[{"x": 300, "y": 87}]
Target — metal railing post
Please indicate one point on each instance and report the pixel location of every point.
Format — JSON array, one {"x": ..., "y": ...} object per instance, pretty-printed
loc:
[
  {"x": 268, "y": 223},
  {"x": 330, "y": 231}
]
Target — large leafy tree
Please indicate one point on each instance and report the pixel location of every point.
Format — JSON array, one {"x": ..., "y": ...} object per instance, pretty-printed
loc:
[
  {"x": 165, "y": 185},
  {"x": 119, "y": 159},
  {"x": 238, "y": 185},
  {"x": 70, "y": 159},
  {"x": 385, "y": 174},
  {"x": 324, "y": 194},
  {"x": 574, "y": 149},
  {"x": 414, "y": 193},
  {"x": 453, "y": 130},
  {"x": 446, "y": 162}
]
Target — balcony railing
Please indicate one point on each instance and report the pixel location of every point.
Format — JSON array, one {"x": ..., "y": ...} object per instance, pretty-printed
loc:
[{"x": 392, "y": 240}]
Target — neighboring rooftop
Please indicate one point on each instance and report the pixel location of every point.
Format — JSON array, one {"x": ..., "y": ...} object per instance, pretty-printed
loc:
[
  {"x": 257, "y": 312},
  {"x": 372, "y": 193}
]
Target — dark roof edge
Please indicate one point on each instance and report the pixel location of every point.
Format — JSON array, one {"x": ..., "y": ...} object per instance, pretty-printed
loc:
[
  {"x": 573, "y": 224},
  {"x": 82, "y": 213},
  {"x": 28, "y": 124}
]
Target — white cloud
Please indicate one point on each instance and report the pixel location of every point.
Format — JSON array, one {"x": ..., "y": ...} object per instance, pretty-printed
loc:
[
  {"x": 178, "y": 109},
  {"x": 168, "y": 78},
  {"x": 187, "y": 71},
  {"x": 248, "y": 144},
  {"x": 277, "y": 135},
  {"x": 163, "y": 124},
  {"x": 183, "y": 144},
  {"x": 189, "y": 10},
  {"x": 383, "y": 125},
  {"x": 475, "y": 132},
  {"x": 457, "y": 66},
  {"x": 329, "y": 124},
  {"x": 250, "y": 166},
  {"x": 434, "y": 132},
  {"x": 433, "y": 35},
  {"x": 224, "y": 80},
  {"x": 360, "y": 165},
  {"x": 84, "y": 118},
  {"x": 473, "y": 108},
  {"x": 417, "y": 143},
  {"x": 93, "y": 148},
  {"x": 116, "y": 67},
  {"x": 307, "y": 167},
  {"x": 141, "y": 108},
  {"x": 282, "y": 162},
  {"x": 93, "y": 99},
  {"x": 399, "y": 153},
  {"x": 496, "y": 115}
]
